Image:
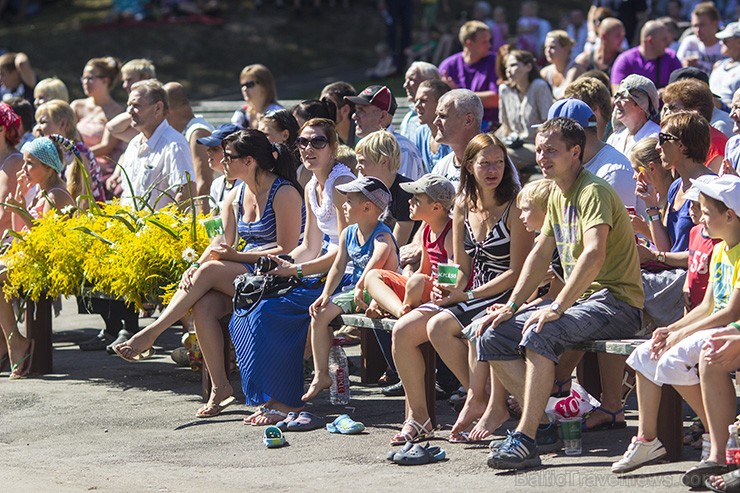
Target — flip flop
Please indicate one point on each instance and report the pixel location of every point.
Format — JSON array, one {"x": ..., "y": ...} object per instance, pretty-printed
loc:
[
  {"x": 273, "y": 415},
  {"x": 697, "y": 475},
  {"x": 145, "y": 354},
  {"x": 214, "y": 410},
  {"x": 459, "y": 437},
  {"x": 283, "y": 425},
  {"x": 419, "y": 455},
  {"x": 16, "y": 372},
  {"x": 272, "y": 437},
  {"x": 732, "y": 482},
  {"x": 345, "y": 425},
  {"x": 609, "y": 425},
  {"x": 306, "y": 422}
]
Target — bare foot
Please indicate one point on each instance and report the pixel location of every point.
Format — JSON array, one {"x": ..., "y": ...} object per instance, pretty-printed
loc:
[
  {"x": 472, "y": 410},
  {"x": 319, "y": 383},
  {"x": 374, "y": 311},
  {"x": 718, "y": 482},
  {"x": 218, "y": 395},
  {"x": 138, "y": 343},
  {"x": 491, "y": 420},
  {"x": 18, "y": 346}
]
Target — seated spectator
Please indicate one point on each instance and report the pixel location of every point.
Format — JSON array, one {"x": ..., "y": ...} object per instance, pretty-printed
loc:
[
  {"x": 577, "y": 29},
  {"x": 702, "y": 49},
  {"x": 181, "y": 117},
  {"x": 270, "y": 339},
  {"x": 483, "y": 12},
  {"x": 345, "y": 124},
  {"x": 314, "y": 108},
  {"x": 120, "y": 126},
  {"x": 490, "y": 246},
  {"x": 57, "y": 117},
  {"x": 260, "y": 95},
  {"x": 602, "y": 296},
  {"x": 474, "y": 68},
  {"x": 17, "y": 77},
  {"x": 24, "y": 109},
  {"x": 11, "y": 160},
  {"x": 369, "y": 244},
  {"x": 632, "y": 13},
  {"x": 281, "y": 127},
  {"x": 221, "y": 185},
  {"x": 651, "y": 59},
  {"x": 48, "y": 90},
  {"x": 427, "y": 97},
  {"x": 671, "y": 356},
  {"x": 374, "y": 110},
  {"x": 417, "y": 73},
  {"x": 595, "y": 17},
  {"x": 732, "y": 150},
  {"x": 720, "y": 119},
  {"x": 651, "y": 177},
  {"x": 558, "y": 47},
  {"x": 596, "y": 95},
  {"x": 41, "y": 167},
  {"x": 525, "y": 99},
  {"x": 635, "y": 105},
  {"x": 207, "y": 286},
  {"x": 692, "y": 95},
  {"x": 602, "y": 57},
  {"x": 725, "y": 77}
]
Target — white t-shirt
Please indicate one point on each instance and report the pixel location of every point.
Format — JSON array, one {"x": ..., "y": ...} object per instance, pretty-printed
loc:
[
  {"x": 447, "y": 168},
  {"x": 612, "y": 166},
  {"x": 725, "y": 80},
  {"x": 624, "y": 142},
  {"x": 691, "y": 45},
  {"x": 721, "y": 121}
]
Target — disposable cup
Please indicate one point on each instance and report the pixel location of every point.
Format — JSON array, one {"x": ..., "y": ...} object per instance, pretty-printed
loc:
[
  {"x": 447, "y": 273},
  {"x": 214, "y": 226},
  {"x": 570, "y": 429}
]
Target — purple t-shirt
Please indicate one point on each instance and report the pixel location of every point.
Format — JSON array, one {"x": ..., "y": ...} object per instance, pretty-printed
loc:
[
  {"x": 632, "y": 62},
  {"x": 478, "y": 77}
]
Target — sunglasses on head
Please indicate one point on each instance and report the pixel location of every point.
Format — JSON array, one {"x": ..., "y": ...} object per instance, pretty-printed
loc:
[
  {"x": 250, "y": 84},
  {"x": 663, "y": 138},
  {"x": 318, "y": 142}
]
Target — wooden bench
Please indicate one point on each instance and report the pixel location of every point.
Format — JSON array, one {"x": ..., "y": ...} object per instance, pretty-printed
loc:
[{"x": 670, "y": 422}]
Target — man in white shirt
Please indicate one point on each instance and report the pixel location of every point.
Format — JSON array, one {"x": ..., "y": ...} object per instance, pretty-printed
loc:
[
  {"x": 459, "y": 116},
  {"x": 702, "y": 48},
  {"x": 158, "y": 159}
]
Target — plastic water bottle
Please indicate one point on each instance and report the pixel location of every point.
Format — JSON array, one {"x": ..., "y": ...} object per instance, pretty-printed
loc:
[
  {"x": 732, "y": 451},
  {"x": 339, "y": 371}
]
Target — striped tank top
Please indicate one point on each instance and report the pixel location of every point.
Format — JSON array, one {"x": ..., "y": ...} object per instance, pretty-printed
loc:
[{"x": 492, "y": 256}]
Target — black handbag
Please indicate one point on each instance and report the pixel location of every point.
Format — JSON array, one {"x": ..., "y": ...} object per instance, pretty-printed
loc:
[{"x": 251, "y": 288}]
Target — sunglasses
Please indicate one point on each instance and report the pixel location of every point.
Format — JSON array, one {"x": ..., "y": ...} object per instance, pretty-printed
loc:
[
  {"x": 230, "y": 157},
  {"x": 250, "y": 84},
  {"x": 316, "y": 142},
  {"x": 663, "y": 138}
]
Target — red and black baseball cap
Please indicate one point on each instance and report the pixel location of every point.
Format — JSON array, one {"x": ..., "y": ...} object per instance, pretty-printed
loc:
[{"x": 378, "y": 96}]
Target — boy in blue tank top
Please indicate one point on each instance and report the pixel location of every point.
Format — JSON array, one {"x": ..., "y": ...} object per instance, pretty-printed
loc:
[{"x": 369, "y": 244}]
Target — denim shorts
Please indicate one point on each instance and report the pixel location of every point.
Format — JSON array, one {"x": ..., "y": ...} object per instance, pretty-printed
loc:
[{"x": 601, "y": 316}]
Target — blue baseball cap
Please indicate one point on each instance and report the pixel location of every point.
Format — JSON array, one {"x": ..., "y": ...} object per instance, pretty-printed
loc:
[
  {"x": 575, "y": 109},
  {"x": 214, "y": 140}
]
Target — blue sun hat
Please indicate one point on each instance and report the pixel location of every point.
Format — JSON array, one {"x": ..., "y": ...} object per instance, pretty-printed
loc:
[{"x": 45, "y": 151}]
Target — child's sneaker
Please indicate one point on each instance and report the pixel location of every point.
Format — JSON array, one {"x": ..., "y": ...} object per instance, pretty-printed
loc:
[{"x": 639, "y": 453}]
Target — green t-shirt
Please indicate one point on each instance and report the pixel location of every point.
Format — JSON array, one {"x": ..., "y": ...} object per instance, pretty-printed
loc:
[{"x": 590, "y": 202}]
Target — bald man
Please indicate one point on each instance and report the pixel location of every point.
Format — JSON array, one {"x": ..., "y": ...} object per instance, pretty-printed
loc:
[{"x": 651, "y": 59}]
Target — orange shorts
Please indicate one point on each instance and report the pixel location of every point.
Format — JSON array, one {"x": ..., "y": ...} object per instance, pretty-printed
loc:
[{"x": 397, "y": 283}]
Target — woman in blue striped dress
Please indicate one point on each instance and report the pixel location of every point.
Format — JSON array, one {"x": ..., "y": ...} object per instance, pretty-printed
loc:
[
  {"x": 270, "y": 340},
  {"x": 268, "y": 176}
]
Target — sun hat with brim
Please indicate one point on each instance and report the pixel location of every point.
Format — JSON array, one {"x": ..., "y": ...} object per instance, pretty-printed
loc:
[
  {"x": 642, "y": 91},
  {"x": 44, "y": 150},
  {"x": 372, "y": 188},
  {"x": 732, "y": 30},
  {"x": 726, "y": 189},
  {"x": 692, "y": 193},
  {"x": 439, "y": 188}
]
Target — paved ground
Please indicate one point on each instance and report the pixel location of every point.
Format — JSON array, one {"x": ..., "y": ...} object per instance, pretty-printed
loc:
[{"x": 99, "y": 423}]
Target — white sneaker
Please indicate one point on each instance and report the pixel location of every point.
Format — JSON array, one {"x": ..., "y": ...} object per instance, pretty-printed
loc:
[{"x": 639, "y": 453}]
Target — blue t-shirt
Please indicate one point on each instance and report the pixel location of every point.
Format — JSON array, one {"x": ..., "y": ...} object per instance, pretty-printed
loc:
[
  {"x": 361, "y": 254},
  {"x": 679, "y": 222},
  {"x": 421, "y": 139}
]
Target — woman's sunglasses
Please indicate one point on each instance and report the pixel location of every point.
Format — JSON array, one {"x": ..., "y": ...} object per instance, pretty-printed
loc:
[
  {"x": 249, "y": 84},
  {"x": 316, "y": 142},
  {"x": 663, "y": 138}
]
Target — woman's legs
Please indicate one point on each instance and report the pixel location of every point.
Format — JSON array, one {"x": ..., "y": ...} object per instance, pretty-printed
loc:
[
  {"x": 496, "y": 412},
  {"x": 611, "y": 368},
  {"x": 213, "y": 275},
  {"x": 17, "y": 345},
  {"x": 445, "y": 334},
  {"x": 321, "y": 340},
  {"x": 648, "y": 403}
]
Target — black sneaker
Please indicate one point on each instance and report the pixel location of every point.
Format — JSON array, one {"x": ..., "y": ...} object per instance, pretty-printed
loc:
[
  {"x": 517, "y": 452},
  {"x": 395, "y": 390},
  {"x": 97, "y": 343},
  {"x": 547, "y": 438}
]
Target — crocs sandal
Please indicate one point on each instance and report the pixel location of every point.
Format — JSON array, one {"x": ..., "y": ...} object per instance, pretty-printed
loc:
[
  {"x": 283, "y": 425},
  {"x": 392, "y": 453},
  {"x": 272, "y": 437},
  {"x": 419, "y": 455},
  {"x": 345, "y": 426},
  {"x": 732, "y": 482},
  {"x": 306, "y": 422},
  {"x": 417, "y": 432},
  {"x": 697, "y": 475},
  {"x": 609, "y": 425}
]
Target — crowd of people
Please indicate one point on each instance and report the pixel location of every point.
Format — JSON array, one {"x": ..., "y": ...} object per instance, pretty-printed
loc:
[{"x": 595, "y": 198}]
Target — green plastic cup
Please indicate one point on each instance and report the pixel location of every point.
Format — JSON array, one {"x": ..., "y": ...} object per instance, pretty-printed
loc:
[
  {"x": 447, "y": 273},
  {"x": 214, "y": 226},
  {"x": 570, "y": 428}
]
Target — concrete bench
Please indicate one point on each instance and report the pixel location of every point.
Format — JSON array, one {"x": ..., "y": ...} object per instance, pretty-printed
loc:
[{"x": 670, "y": 422}]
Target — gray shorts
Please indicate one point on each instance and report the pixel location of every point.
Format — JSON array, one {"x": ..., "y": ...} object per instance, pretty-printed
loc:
[{"x": 601, "y": 316}]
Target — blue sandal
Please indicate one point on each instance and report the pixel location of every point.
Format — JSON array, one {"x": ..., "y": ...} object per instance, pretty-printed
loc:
[
  {"x": 306, "y": 422},
  {"x": 418, "y": 455},
  {"x": 345, "y": 425},
  {"x": 272, "y": 437}
]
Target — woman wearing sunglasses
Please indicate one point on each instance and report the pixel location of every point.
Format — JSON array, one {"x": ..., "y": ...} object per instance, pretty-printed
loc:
[
  {"x": 270, "y": 340},
  {"x": 267, "y": 173},
  {"x": 259, "y": 93},
  {"x": 635, "y": 104}
]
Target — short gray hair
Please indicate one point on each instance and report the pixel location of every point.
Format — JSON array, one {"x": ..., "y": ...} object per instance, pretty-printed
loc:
[
  {"x": 425, "y": 69},
  {"x": 153, "y": 91},
  {"x": 465, "y": 101}
]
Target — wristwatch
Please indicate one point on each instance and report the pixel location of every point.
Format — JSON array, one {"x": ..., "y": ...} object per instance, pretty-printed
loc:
[{"x": 555, "y": 307}]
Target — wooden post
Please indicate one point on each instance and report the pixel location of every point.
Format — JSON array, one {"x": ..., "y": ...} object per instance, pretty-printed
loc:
[
  {"x": 39, "y": 329},
  {"x": 670, "y": 422}
]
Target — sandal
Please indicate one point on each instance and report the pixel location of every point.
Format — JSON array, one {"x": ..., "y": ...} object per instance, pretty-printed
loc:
[
  {"x": 22, "y": 368},
  {"x": 145, "y": 354},
  {"x": 418, "y": 455},
  {"x": 560, "y": 392},
  {"x": 273, "y": 416},
  {"x": 211, "y": 410},
  {"x": 732, "y": 482},
  {"x": 697, "y": 475},
  {"x": 609, "y": 425},
  {"x": 345, "y": 426},
  {"x": 417, "y": 432},
  {"x": 306, "y": 422},
  {"x": 283, "y": 425},
  {"x": 272, "y": 437}
]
